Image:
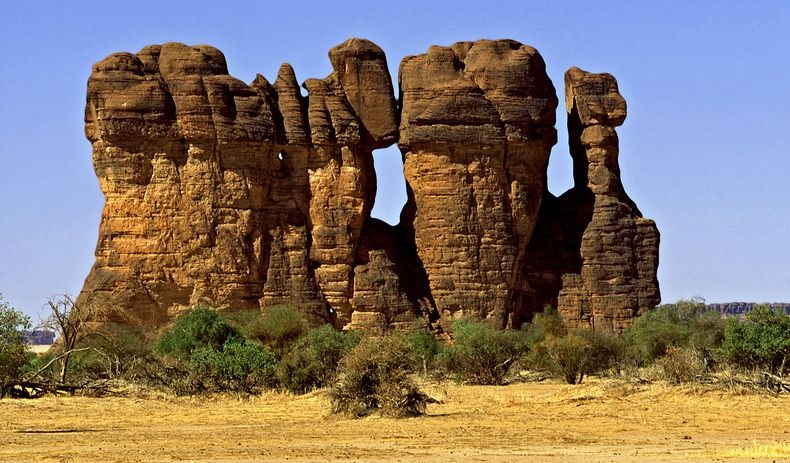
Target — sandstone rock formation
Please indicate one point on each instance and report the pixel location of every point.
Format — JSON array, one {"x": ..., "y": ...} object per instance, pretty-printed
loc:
[
  {"x": 250, "y": 196},
  {"x": 619, "y": 248},
  {"x": 477, "y": 127}
]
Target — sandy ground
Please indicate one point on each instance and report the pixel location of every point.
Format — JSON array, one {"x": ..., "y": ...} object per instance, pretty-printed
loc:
[
  {"x": 39, "y": 348},
  {"x": 603, "y": 421}
]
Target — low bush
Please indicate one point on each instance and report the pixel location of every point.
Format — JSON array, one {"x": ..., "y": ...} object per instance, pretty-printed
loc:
[
  {"x": 278, "y": 328},
  {"x": 423, "y": 349},
  {"x": 760, "y": 341},
  {"x": 707, "y": 335},
  {"x": 481, "y": 353},
  {"x": 112, "y": 351},
  {"x": 240, "y": 366},
  {"x": 375, "y": 376},
  {"x": 313, "y": 359},
  {"x": 584, "y": 352},
  {"x": 90, "y": 364},
  {"x": 13, "y": 347},
  {"x": 570, "y": 357},
  {"x": 687, "y": 323},
  {"x": 36, "y": 363},
  {"x": 610, "y": 351},
  {"x": 545, "y": 325},
  {"x": 681, "y": 365},
  {"x": 201, "y": 327},
  {"x": 544, "y": 329},
  {"x": 203, "y": 352}
]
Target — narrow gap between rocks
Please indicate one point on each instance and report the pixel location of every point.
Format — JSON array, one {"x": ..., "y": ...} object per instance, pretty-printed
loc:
[
  {"x": 391, "y": 185},
  {"x": 560, "y": 172}
]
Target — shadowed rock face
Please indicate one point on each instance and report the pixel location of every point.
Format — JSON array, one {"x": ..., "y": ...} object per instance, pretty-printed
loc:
[
  {"x": 619, "y": 248},
  {"x": 249, "y": 196},
  {"x": 477, "y": 127}
]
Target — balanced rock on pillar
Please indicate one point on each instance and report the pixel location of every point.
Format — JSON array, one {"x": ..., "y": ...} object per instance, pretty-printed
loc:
[{"x": 619, "y": 248}]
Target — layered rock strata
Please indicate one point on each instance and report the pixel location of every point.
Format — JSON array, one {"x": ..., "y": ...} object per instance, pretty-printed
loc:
[
  {"x": 250, "y": 196},
  {"x": 619, "y": 248},
  {"x": 477, "y": 127}
]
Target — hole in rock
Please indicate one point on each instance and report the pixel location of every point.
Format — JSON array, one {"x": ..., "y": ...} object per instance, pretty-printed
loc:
[
  {"x": 281, "y": 155},
  {"x": 391, "y": 185},
  {"x": 560, "y": 172}
]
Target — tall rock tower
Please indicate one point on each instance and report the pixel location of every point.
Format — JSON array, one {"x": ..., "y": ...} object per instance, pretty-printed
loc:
[{"x": 248, "y": 196}]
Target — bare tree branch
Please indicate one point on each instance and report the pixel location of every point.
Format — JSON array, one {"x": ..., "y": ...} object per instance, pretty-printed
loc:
[
  {"x": 72, "y": 321},
  {"x": 53, "y": 360}
]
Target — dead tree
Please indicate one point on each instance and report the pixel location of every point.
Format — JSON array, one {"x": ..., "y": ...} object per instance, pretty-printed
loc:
[{"x": 73, "y": 324}]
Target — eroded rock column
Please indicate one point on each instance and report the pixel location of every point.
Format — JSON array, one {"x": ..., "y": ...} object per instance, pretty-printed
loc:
[
  {"x": 351, "y": 113},
  {"x": 248, "y": 196},
  {"x": 477, "y": 125},
  {"x": 619, "y": 248},
  {"x": 184, "y": 153}
]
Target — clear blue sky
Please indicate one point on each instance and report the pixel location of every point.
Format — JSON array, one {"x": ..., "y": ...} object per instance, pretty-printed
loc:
[{"x": 704, "y": 149}]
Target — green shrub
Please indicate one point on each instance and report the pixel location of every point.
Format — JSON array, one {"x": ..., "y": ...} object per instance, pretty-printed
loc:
[
  {"x": 241, "y": 366},
  {"x": 242, "y": 320},
  {"x": 761, "y": 340},
  {"x": 540, "y": 333},
  {"x": 687, "y": 323},
  {"x": 203, "y": 352},
  {"x": 609, "y": 350},
  {"x": 584, "y": 352},
  {"x": 13, "y": 347},
  {"x": 313, "y": 359},
  {"x": 545, "y": 325},
  {"x": 570, "y": 357},
  {"x": 481, "y": 353},
  {"x": 201, "y": 327},
  {"x": 113, "y": 350},
  {"x": 37, "y": 362},
  {"x": 423, "y": 348},
  {"x": 89, "y": 365},
  {"x": 124, "y": 342},
  {"x": 375, "y": 376},
  {"x": 278, "y": 328}
]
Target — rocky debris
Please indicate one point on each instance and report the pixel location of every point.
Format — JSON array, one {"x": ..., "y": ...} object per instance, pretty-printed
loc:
[{"x": 249, "y": 196}]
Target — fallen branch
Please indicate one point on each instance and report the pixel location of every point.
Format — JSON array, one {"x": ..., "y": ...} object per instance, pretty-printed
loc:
[
  {"x": 32, "y": 389},
  {"x": 55, "y": 359},
  {"x": 775, "y": 383}
]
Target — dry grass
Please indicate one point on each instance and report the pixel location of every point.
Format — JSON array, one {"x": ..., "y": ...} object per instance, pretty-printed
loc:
[
  {"x": 548, "y": 421},
  {"x": 757, "y": 450},
  {"x": 39, "y": 348}
]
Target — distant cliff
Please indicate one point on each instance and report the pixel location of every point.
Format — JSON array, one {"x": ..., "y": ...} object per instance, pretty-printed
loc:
[{"x": 740, "y": 308}]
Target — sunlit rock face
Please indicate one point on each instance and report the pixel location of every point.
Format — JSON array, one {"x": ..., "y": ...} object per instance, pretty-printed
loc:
[
  {"x": 618, "y": 248},
  {"x": 248, "y": 196}
]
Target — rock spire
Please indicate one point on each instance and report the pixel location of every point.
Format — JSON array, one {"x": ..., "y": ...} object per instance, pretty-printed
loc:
[{"x": 248, "y": 196}]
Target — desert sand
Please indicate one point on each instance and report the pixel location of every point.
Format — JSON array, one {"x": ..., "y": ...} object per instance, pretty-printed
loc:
[{"x": 600, "y": 421}]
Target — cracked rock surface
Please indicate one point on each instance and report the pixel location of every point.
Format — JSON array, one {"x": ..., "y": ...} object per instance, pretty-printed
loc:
[{"x": 248, "y": 196}]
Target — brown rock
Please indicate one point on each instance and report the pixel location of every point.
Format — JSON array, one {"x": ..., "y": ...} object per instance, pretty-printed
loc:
[
  {"x": 240, "y": 196},
  {"x": 249, "y": 196},
  {"x": 292, "y": 107},
  {"x": 619, "y": 248},
  {"x": 361, "y": 69},
  {"x": 476, "y": 130}
]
